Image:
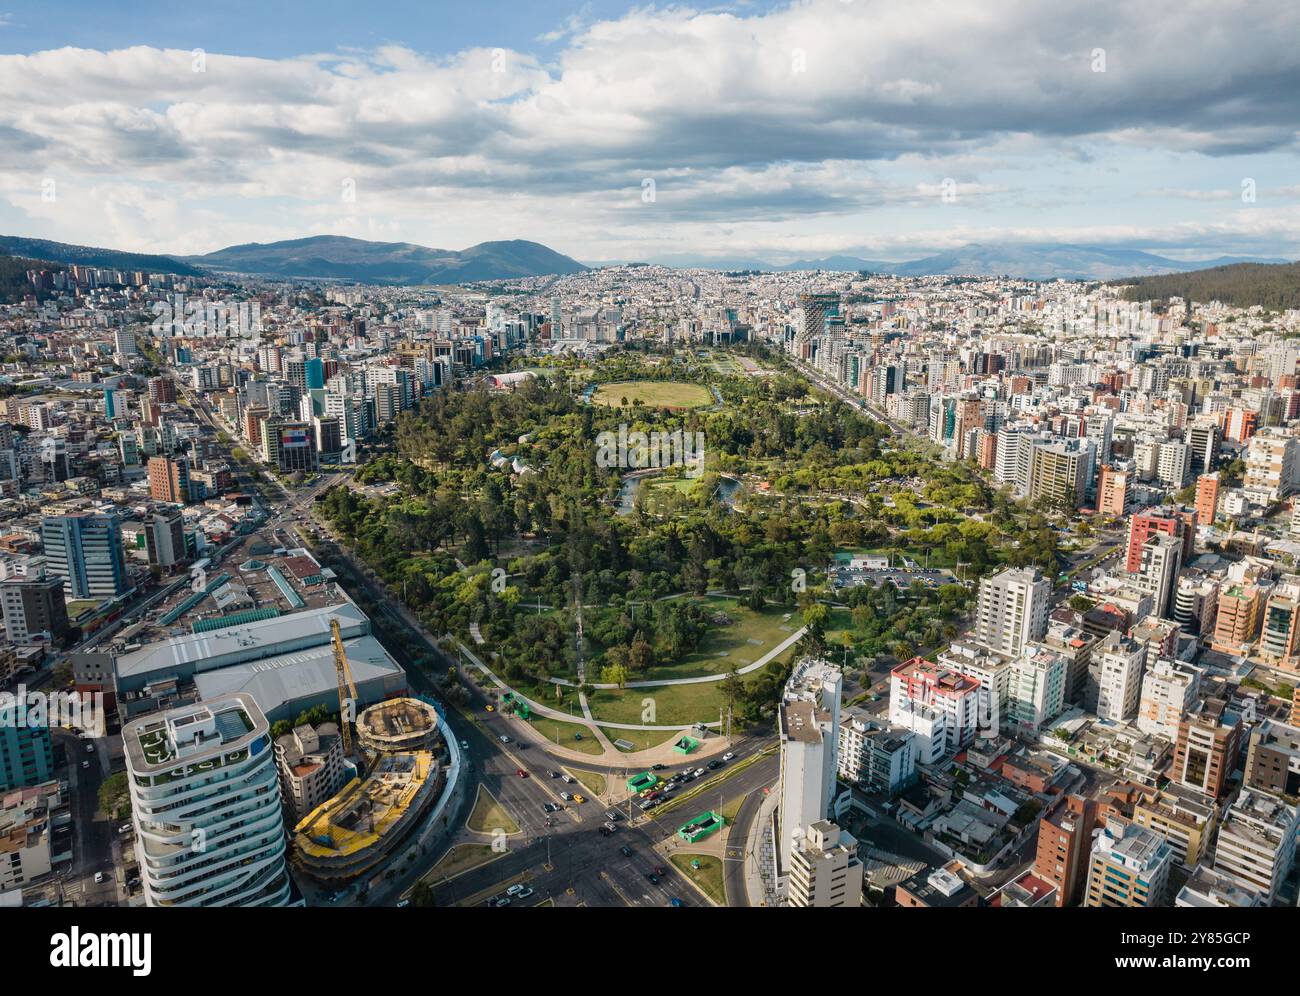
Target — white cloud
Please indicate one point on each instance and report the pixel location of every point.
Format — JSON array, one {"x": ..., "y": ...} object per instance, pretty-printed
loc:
[{"x": 822, "y": 112}]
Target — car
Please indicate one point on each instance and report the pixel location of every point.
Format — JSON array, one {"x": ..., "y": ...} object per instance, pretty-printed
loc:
[
  {"x": 566, "y": 797},
  {"x": 491, "y": 708},
  {"x": 611, "y": 826},
  {"x": 625, "y": 851},
  {"x": 99, "y": 877},
  {"x": 659, "y": 870},
  {"x": 579, "y": 798},
  {"x": 522, "y": 745},
  {"x": 504, "y": 739},
  {"x": 464, "y": 745},
  {"x": 613, "y": 815},
  {"x": 402, "y": 903},
  {"x": 550, "y": 807},
  {"x": 648, "y": 804},
  {"x": 674, "y": 901},
  {"x": 521, "y": 772},
  {"x": 567, "y": 779},
  {"x": 90, "y": 748},
  {"x": 605, "y": 831},
  {"x": 515, "y": 890},
  {"x": 658, "y": 767},
  {"x": 698, "y": 772},
  {"x": 523, "y": 893},
  {"x": 85, "y": 764},
  {"x": 715, "y": 765},
  {"x": 499, "y": 901},
  {"x": 552, "y": 774},
  {"x": 728, "y": 756},
  {"x": 125, "y": 828},
  {"x": 654, "y": 879}
]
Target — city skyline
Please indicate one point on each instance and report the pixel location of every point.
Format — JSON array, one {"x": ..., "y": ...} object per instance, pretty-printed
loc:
[{"x": 611, "y": 133}]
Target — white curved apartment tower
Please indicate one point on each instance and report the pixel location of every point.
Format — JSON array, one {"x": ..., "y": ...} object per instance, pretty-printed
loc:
[{"x": 206, "y": 806}]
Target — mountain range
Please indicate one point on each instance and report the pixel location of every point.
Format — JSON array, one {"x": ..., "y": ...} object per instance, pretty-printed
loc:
[
  {"x": 1043, "y": 261},
  {"x": 394, "y": 263}
]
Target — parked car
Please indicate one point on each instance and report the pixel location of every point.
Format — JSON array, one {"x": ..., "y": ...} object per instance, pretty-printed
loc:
[
  {"x": 698, "y": 772},
  {"x": 99, "y": 877},
  {"x": 728, "y": 756},
  {"x": 625, "y": 851},
  {"x": 90, "y": 748},
  {"x": 85, "y": 764},
  {"x": 610, "y": 826},
  {"x": 401, "y": 903},
  {"x": 504, "y": 739},
  {"x": 515, "y": 889},
  {"x": 567, "y": 779},
  {"x": 613, "y": 815},
  {"x": 566, "y": 797},
  {"x": 579, "y": 798},
  {"x": 715, "y": 765}
]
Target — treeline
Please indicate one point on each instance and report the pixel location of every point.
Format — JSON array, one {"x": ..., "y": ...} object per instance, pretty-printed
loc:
[{"x": 1271, "y": 285}]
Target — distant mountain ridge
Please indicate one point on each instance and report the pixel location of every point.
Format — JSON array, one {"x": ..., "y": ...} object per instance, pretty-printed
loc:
[
  {"x": 323, "y": 257},
  {"x": 116, "y": 259},
  {"x": 342, "y": 258},
  {"x": 336, "y": 257},
  {"x": 1044, "y": 261}
]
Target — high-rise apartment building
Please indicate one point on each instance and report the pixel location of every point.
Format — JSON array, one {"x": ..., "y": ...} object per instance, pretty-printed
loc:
[
  {"x": 206, "y": 806},
  {"x": 824, "y": 868},
  {"x": 1012, "y": 610},
  {"x": 1207, "y": 748},
  {"x": 1207, "y": 499},
  {"x": 1128, "y": 866},
  {"x": 1064, "y": 842}
]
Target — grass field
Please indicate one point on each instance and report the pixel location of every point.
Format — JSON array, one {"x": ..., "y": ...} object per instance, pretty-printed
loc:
[
  {"x": 749, "y": 636},
  {"x": 562, "y": 733},
  {"x": 462, "y": 858},
  {"x": 707, "y": 878},
  {"x": 489, "y": 815},
  {"x": 640, "y": 739},
  {"x": 592, "y": 781},
  {"x": 672, "y": 705},
  {"x": 653, "y": 393}
]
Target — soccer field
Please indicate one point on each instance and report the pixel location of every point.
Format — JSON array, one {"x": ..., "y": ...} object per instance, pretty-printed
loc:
[{"x": 654, "y": 393}]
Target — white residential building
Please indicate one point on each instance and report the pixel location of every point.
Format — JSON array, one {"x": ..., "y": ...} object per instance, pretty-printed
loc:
[
  {"x": 1118, "y": 661},
  {"x": 809, "y": 730},
  {"x": 1168, "y": 691},
  {"x": 825, "y": 870},
  {"x": 1256, "y": 844},
  {"x": 1012, "y": 610},
  {"x": 1036, "y": 691},
  {"x": 206, "y": 806}
]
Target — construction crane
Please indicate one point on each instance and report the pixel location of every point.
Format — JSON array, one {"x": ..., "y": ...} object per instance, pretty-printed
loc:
[{"x": 346, "y": 687}]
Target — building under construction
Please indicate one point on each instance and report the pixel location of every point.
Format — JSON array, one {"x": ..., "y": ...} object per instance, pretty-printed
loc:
[
  {"x": 366, "y": 823},
  {"x": 401, "y": 724}
]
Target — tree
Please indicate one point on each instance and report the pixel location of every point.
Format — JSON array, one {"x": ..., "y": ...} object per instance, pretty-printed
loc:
[
  {"x": 422, "y": 895},
  {"x": 614, "y": 674}
]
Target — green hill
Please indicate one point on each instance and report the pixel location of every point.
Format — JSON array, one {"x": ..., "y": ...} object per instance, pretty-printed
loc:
[{"x": 1273, "y": 286}]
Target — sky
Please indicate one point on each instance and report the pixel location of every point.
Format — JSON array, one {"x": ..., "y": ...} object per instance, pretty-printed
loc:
[{"x": 884, "y": 129}]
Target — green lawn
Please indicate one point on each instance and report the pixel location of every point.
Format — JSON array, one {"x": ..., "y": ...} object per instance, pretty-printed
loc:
[
  {"x": 640, "y": 739},
  {"x": 748, "y": 637},
  {"x": 707, "y": 878},
  {"x": 673, "y": 705},
  {"x": 592, "y": 781},
  {"x": 489, "y": 815},
  {"x": 562, "y": 733},
  {"x": 657, "y": 394},
  {"x": 462, "y": 858}
]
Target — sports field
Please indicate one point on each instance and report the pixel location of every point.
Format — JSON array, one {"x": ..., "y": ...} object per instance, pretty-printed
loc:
[{"x": 653, "y": 393}]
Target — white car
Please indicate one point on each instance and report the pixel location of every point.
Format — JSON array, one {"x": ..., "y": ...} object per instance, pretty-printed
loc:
[
  {"x": 99, "y": 878},
  {"x": 90, "y": 748},
  {"x": 85, "y": 764},
  {"x": 515, "y": 889},
  {"x": 728, "y": 756},
  {"x": 698, "y": 772}
]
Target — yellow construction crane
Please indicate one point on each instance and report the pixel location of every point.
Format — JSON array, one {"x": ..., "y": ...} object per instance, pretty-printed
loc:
[{"x": 346, "y": 687}]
